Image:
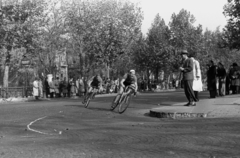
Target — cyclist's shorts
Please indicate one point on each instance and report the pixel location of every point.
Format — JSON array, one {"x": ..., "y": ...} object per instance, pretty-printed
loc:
[
  {"x": 94, "y": 85},
  {"x": 133, "y": 86}
]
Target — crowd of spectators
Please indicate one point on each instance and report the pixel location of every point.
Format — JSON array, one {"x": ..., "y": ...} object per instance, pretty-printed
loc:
[
  {"x": 57, "y": 88},
  {"x": 219, "y": 81},
  {"x": 222, "y": 81}
]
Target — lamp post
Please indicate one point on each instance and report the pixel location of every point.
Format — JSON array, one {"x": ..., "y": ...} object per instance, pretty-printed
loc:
[{"x": 25, "y": 62}]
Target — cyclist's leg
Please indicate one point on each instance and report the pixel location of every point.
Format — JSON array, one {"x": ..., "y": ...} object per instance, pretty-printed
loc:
[
  {"x": 95, "y": 91},
  {"x": 121, "y": 89},
  {"x": 132, "y": 89},
  {"x": 87, "y": 94}
]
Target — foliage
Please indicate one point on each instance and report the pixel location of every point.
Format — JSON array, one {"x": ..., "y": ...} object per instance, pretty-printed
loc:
[
  {"x": 103, "y": 30},
  {"x": 106, "y": 34},
  {"x": 231, "y": 36},
  {"x": 159, "y": 47}
]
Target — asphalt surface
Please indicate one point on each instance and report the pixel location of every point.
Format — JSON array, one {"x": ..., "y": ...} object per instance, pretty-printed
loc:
[{"x": 63, "y": 128}]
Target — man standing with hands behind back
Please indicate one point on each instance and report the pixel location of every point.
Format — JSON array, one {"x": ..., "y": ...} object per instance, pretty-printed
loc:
[{"x": 187, "y": 74}]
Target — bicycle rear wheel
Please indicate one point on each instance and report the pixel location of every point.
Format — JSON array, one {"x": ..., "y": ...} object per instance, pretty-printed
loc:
[
  {"x": 115, "y": 103},
  {"x": 124, "y": 104}
]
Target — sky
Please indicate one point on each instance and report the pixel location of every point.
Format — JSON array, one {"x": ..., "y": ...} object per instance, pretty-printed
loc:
[{"x": 208, "y": 13}]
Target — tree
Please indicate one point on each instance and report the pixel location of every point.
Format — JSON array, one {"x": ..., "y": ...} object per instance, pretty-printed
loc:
[
  {"x": 158, "y": 40},
  {"x": 103, "y": 30},
  {"x": 16, "y": 29},
  {"x": 184, "y": 35},
  {"x": 231, "y": 36},
  {"x": 119, "y": 26}
]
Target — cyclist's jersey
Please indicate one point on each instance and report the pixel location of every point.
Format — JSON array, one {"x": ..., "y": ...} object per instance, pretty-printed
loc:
[
  {"x": 129, "y": 79},
  {"x": 96, "y": 81}
]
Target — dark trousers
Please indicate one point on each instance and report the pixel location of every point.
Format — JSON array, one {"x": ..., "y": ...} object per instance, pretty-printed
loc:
[
  {"x": 188, "y": 84},
  {"x": 213, "y": 93},
  {"x": 234, "y": 89},
  {"x": 196, "y": 95}
]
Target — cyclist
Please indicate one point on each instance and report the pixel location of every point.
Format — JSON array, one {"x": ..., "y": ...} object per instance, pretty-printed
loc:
[
  {"x": 129, "y": 79},
  {"x": 95, "y": 82}
]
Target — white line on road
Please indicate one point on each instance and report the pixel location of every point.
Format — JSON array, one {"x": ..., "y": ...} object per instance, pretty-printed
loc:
[{"x": 28, "y": 126}]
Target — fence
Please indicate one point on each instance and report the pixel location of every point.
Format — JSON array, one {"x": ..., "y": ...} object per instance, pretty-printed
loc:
[{"x": 15, "y": 92}]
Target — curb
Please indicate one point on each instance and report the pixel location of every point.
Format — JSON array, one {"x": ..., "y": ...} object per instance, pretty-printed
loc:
[{"x": 176, "y": 115}]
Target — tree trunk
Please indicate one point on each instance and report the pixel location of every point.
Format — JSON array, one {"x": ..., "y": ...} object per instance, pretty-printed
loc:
[
  {"x": 5, "y": 78},
  {"x": 148, "y": 80},
  {"x": 108, "y": 70}
]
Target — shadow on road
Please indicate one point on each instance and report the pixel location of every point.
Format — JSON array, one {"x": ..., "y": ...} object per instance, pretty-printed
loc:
[{"x": 90, "y": 108}]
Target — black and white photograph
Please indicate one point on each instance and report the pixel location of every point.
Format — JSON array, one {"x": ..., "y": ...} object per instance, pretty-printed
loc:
[{"x": 119, "y": 79}]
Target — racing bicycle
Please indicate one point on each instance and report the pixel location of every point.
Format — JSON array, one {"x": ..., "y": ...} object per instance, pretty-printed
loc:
[
  {"x": 89, "y": 96},
  {"x": 122, "y": 100}
]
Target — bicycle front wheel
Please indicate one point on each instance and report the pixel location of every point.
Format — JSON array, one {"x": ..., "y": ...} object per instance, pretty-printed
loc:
[
  {"x": 115, "y": 102},
  {"x": 124, "y": 104}
]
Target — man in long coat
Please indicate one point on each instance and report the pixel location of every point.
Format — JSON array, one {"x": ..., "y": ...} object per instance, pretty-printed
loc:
[
  {"x": 212, "y": 79},
  {"x": 187, "y": 74},
  {"x": 36, "y": 88}
]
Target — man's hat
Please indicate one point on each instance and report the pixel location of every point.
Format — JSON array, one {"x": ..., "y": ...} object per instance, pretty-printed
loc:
[{"x": 184, "y": 52}]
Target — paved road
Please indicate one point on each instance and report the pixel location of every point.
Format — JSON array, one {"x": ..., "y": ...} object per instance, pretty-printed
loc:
[{"x": 65, "y": 129}]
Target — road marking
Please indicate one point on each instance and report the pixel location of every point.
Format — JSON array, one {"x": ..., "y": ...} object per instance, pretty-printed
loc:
[{"x": 28, "y": 126}]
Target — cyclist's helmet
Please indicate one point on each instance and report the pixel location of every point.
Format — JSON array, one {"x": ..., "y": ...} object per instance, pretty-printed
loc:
[{"x": 132, "y": 71}]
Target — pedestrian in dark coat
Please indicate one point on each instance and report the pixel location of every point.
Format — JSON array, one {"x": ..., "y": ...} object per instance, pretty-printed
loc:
[
  {"x": 64, "y": 87},
  {"x": 187, "y": 75},
  {"x": 46, "y": 87},
  {"x": 212, "y": 79},
  {"x": 235, "y": 78}
]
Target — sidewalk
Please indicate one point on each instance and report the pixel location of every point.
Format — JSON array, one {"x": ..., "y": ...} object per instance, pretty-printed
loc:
[{"x": 227, "y": 106}]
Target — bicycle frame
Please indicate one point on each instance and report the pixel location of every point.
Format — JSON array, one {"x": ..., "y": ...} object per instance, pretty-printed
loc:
[
  {"x": 127, "y": 91},
  {"x": 90, "y": 96}
]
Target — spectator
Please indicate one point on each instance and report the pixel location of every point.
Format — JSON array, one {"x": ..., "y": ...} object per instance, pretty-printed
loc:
[
  {"x": 108, "y": 85},
  {"x": 46, "y": 87},
  {"x": 36, "y": 88},
  {"x": 228, "y": 82},
  {"x": 112, "y": 86},
  {"x": 51, "y": 86},
  {"x": 187, "y": 74},
  {"x": 81, "y": 87},
  {"x": 69, "y": 85},
  {"x": 221, "y": 73},
  {"x": 40, "y": 85},
  {"x": 116, "y": 82},
  {"x": 64, "y": 87},
  {"x": 72, "y": 87},
  {"x": 77, "y": 87},
  {"x": 57, "y": 87},
  {"x": 197, "y": 78},
  {"x": 234, "y": 76},
  {"x": 211, "y": 79}
]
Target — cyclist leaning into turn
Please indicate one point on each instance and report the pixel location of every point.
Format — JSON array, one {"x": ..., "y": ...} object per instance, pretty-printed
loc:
[
  {"x": 129, "y": 79},
  {"x": 95, "y": 82}
]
